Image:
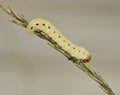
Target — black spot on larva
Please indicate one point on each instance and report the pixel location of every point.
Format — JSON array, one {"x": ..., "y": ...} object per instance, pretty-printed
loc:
[
  {"x": 49, "y": 27},
  {"x": 63, "y": 40},
  {"x": 37, "y": 23},
  {"x": 53, "y": 31},
  {"x": 31, "y": 28},
  {"x": 68, "y": 44},
  {"x": 73, "y": 47},
  {"x": 58, "y": 36},
  {"x": 79, "y": 51},
  {"x": 43, "y": 24}
]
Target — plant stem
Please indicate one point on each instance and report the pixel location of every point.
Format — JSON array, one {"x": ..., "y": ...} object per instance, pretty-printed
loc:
[{"x": 21, "y": 21}]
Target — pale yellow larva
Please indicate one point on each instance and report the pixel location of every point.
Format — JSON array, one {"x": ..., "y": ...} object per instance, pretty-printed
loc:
[{"x": 59, "y": 38}]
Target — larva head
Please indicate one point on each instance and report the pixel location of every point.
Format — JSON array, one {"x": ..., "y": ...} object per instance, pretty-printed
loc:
[
  {"x": 86, "y": 57},
  {"x": 34, "y": 25}
]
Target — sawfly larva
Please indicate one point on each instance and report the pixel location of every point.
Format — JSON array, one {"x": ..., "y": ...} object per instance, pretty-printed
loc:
[{"x": 49, "y": 29}]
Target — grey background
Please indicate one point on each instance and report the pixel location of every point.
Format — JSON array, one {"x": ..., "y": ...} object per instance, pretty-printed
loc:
[{"x": 28, "y": 66}]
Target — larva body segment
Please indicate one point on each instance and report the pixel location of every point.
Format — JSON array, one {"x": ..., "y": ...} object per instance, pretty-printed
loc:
[{"x": 59, "y": 38}]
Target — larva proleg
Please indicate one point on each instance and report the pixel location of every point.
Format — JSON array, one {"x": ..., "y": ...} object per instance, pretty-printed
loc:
[{"x": 53, "y": 33}]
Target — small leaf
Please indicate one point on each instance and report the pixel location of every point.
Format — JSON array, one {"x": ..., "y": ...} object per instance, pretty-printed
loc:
[
  {"x": 18, "y": 23},
  {"x": 6, "y": 9}
]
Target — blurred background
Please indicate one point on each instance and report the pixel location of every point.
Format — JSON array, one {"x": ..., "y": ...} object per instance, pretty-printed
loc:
[{"x": 28, "y": 66}]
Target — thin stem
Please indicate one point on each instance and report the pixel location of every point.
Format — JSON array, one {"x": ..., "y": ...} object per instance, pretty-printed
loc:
[
  {"x": 22, "y": 21},
  {"x": 18, "y": 19}
]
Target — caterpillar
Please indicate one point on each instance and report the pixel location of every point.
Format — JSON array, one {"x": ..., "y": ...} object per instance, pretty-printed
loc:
[{"x": 49, "y": 29}]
